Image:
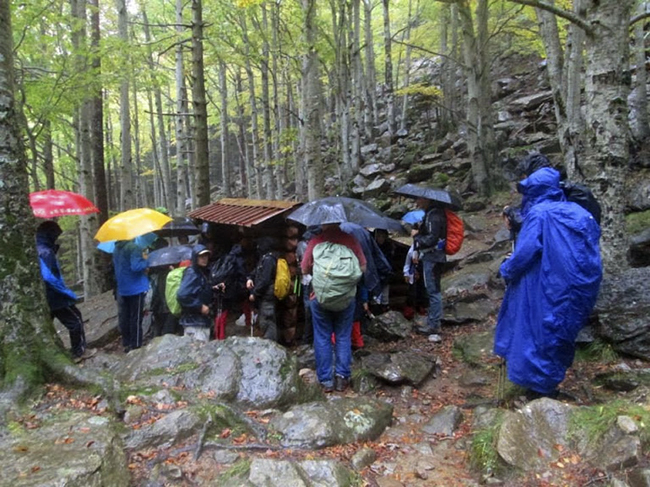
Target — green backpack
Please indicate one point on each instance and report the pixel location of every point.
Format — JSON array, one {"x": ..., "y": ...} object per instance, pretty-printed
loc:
[
  {"x": 172, "y": 285},
  {"x": 335, "y": 275}
]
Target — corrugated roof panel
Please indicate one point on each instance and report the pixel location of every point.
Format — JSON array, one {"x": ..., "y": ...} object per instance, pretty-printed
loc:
[{"x": 241, "y": 211}]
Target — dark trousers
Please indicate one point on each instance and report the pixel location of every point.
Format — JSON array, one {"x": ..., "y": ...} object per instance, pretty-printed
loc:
[
  {"x": 71, "y": 318},
  {"x": 129, "y": 315}
]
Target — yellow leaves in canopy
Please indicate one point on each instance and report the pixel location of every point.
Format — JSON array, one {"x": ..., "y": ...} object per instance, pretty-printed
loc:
[{"x": 420, "y": 89}]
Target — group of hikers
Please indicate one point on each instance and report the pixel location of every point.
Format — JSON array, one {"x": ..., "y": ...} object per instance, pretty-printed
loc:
[{"x": 552, "y": 280}]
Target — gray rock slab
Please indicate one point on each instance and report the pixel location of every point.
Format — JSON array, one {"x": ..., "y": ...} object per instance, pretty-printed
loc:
[
  {"x": 389, "y": 326},
  {"x": 334, "y": 422},
  {"x": 75, "y": 450},
  {"x": 528, "y": 438},
  {"x": 309, "y": 473},
  {"x": 169, "y": 429},
  {"x": 444, "y": 422},
  {"x": 399, "y": 368}
]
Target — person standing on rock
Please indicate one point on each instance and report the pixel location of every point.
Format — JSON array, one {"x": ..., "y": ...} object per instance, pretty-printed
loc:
[
  {"x": 552, "y": 277},
  {"x": 130, "y": 265},
  {"x": 429, "y": 243},
  {"x": 195, "y": 296},
  {"x": 336, "y": 261},
  {"x": 61, "y": 299}
]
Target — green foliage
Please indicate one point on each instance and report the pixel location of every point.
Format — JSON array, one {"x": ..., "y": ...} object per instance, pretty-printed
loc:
[
  {"x": 637, "y": 222},
  {"x": 484, "y": 457},
  {"x": 596, "y": 351},
  {"x": 239, "y": 469},
  {"x": 594, "y": 421}
]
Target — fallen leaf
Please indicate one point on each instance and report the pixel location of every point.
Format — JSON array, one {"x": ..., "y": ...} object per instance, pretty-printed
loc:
[
  {"x": 559, "y": 465},
  {"x": 35, "y": 468},
  {"x": 90, "y": 443},
  {"x": 225, "y": 433},
  {"x": 84, "y": 430},
  {"x": 20, "y": 448}
]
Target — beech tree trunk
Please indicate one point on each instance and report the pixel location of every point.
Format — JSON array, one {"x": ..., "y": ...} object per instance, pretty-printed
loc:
[
  {"x": 606, "y": 156},
  {"x": 312, "y": 114},
  {"x": 371, "y": 115},
  {"x": 388, "y": 71},
  {"x": 127, "y": 197},
  {"x": 181, "y": 133},
  {"x": 201, "y": 150},
  {"x": 225, "y": 169},
  {"x": 639, "y": 106},
  {"x": 268, "y": 178}
]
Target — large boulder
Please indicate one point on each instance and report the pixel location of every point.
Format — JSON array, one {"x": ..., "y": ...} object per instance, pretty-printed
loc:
[
  {"x": 250, "y": 371},
  {"x": 622, "y": 309},
  {"x": 334, "y": 422},
  {"x": 76, "y": 450},
  {"x": 528, "y": 438}
]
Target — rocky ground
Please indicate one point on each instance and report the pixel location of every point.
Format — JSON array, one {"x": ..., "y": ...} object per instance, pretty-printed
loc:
[{"x": 428, "y": 443}]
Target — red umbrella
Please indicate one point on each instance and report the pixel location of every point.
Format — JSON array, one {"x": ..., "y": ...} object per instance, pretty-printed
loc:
[{"x": 53, "y": 202}]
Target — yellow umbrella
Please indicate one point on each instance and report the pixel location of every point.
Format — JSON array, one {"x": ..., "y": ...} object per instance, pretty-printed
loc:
[{"x": 130, "y": 224}]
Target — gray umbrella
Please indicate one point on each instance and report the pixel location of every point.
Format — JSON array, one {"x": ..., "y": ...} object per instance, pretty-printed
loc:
[
  {"x": 433, "y": 194},
  {"x": 328, "y": 210},
  {"x": 169, "y": 255},
  {"x": 179, "y": 226}
]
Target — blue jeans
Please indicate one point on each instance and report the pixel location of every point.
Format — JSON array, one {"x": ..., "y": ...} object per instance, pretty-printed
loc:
[
  {"x": 325, "y": 323},
  {"x": 432, "y": 274}
]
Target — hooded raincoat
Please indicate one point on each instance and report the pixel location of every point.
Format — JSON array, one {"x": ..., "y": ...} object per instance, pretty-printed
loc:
[
  {"x": 194, "y": 292},
  {"x": 552, "y": 279}
]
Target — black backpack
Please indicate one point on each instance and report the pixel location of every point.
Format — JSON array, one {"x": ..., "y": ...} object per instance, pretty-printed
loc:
[
  {"x": 227, "y": 270},
  {"x": 582, "y": 195}
]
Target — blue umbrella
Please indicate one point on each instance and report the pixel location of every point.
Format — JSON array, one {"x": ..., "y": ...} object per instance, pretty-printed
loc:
[
  {"x": 143, "y": 241},
  {"x": 412, "y": 217}
]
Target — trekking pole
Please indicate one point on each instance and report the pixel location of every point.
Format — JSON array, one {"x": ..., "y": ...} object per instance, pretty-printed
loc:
[{"x": 501, "y": 382}]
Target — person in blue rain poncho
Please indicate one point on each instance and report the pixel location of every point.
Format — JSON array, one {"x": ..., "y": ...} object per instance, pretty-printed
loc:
[{"x": 552, "y": 281}]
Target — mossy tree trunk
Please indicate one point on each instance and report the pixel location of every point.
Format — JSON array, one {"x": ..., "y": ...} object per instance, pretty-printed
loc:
[{"x": 30, "y": 351}]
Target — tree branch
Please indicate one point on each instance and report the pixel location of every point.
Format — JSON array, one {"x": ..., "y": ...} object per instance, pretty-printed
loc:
[
  {"x": 565, "y": 14},
  {"x": 639, "y": 17}
]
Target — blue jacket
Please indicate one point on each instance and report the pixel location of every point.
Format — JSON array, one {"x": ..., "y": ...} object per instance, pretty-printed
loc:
[
  {"x": 378, "y": 269},
  {"x": 129, "y": 269},
  {"x": 552, "y": 278},
  {"x": 57, "y": 293},
  {"x": 194, "y": 292}
]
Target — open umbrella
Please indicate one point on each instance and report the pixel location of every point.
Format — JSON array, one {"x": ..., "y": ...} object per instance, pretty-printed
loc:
[
  {"x": 130, "y": 224},
  {"x": 433, "y": 194},
  {"x": 179, "y": 226},
  {"x": 412, "y": 217},
  {"x": 143, "y": 241},
  {"x": 169, "y": 255},
  {"x": 356, "y": 211},
  {"x": 53, "y": 202}
]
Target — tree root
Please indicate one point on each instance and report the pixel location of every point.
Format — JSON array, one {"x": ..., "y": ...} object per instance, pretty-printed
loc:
[{"x": 64, "y": 370}]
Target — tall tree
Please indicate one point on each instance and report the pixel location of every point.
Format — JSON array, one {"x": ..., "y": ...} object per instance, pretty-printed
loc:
[
  {"x": 225, "y": 168},
  {"x": 311, "y": 111},
  {"x": 388, "y": 70},
  {"x": 127, "y": 197},
  {"x": 199, "y": 102},
  {"x": 30, "y": 350},
  {"x": 181, "y": 113}
]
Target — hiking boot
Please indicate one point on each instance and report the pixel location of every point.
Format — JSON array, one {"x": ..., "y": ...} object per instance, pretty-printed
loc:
[
  {"x": 88, "y": 353},
  {"x": 424, "y": 330},
  {"x": 327, "y": 387},
  {"x": 341, "y": 383}
]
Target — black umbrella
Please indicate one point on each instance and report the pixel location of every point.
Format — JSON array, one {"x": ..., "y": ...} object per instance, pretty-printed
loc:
[
  {"x": 433, "y": 194},
  {"x": 328, "y": 210},
  {"x": 169, "y": 255},
  {"x": 178, "y": 227}
]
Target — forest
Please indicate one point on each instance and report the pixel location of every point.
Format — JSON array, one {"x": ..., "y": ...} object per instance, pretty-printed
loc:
[{"x": 176, "y": 104}]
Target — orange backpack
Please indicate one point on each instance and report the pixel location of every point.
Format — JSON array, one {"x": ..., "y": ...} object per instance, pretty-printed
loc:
[{"x": 455, "y": 233}]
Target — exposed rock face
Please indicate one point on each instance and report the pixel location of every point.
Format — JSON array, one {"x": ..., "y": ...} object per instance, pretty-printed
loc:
[
  {"x": 78, "y": 450},
  {"x": 389, "y": 326},
  {"x": 623, "y": 307}
]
